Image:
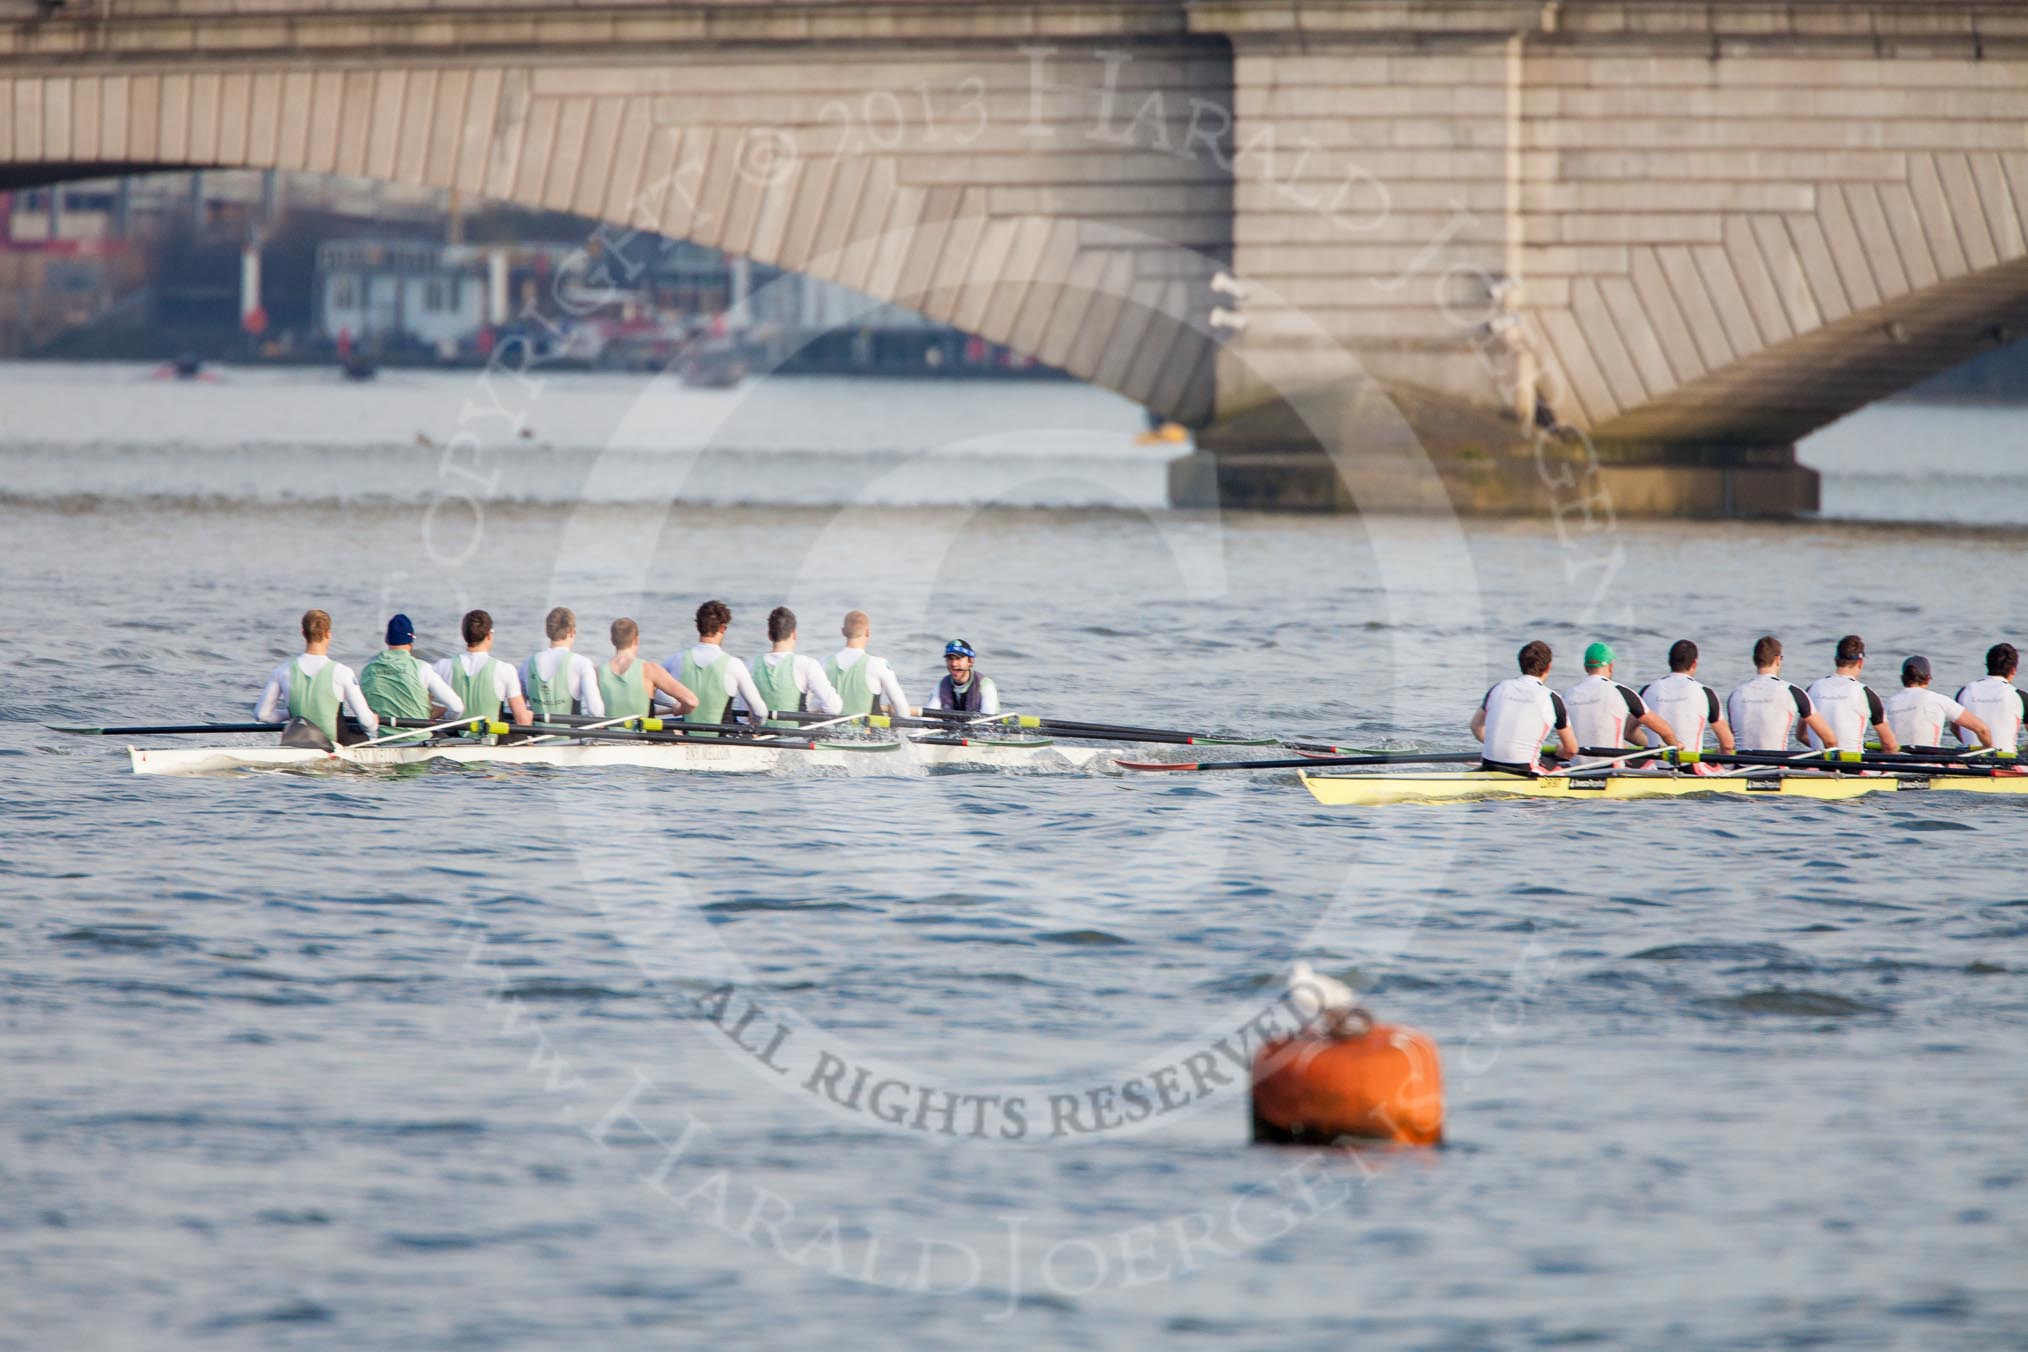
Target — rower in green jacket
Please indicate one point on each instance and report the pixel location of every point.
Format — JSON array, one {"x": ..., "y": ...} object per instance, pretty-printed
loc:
[{"x": 398, "y": 684}]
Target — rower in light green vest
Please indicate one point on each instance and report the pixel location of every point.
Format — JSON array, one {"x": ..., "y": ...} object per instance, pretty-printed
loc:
[
  {"x": 628, "y": 685},
  {"x": 715, "y": 676},
  {"x": 480, "y": 683},
  {"x": 309, "y": 691},
  {"x": 787, "y": 681},
  {"x": 863, "y": 680},
  {"x": 400, "y": 685},
  {"x": 557, "y": 680},
  {"x": 314, "y": 699}
]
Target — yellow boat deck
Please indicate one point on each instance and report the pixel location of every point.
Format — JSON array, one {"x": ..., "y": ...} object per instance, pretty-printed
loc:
[{"x": 1375, "y": 790}]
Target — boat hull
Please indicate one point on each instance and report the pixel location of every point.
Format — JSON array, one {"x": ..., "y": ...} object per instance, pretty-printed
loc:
[
  {"x": 729, "y": 757},
  {"x": 1377, "y": 790}
]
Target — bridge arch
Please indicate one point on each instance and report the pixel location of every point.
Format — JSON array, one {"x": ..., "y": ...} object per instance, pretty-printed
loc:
[{"x": 962, "y": 185}]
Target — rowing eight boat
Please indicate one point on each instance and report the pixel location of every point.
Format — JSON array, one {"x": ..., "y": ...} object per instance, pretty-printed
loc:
[
  {"x": 724, "y": 757},
  {"x": 1376, "y": 790}
]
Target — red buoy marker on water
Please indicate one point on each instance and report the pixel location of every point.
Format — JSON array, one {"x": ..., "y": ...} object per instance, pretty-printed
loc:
[{"x": 1346, "y": 1076}]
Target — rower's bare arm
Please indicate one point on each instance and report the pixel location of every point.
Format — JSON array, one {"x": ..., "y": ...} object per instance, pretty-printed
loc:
[
  {"x": 1972, "y": 723},
  {"x": 1479, "y": 725},
  {"x": 1887, "y": 738},
  {"x": 1815, "y": 723},
  {"x": 1566, "y": 742},
  {"x": 1724, "y": 731},
  {"x": 519, "y": 705},
  {"x": 663, "y": 683},
  {"x": 1659, "y": 725}
]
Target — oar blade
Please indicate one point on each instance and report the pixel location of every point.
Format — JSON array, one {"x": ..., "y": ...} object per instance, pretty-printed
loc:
[{"x": 1159, "y": 765}]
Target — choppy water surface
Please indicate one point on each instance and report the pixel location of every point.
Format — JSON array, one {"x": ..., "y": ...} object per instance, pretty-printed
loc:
[{"x": 428, "y": 1060}]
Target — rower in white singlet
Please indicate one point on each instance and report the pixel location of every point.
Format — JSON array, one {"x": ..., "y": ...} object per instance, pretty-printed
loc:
[
  {"x": 788, "y": 681},
  {"x": 484, "y": 684},
  {"x": 1604, "y": 713},
  {"x": 714, "y": 675},
  {"x": 1996, "y": 701},
  {"x": 629, "y": 683},
  {"x": 1848, "y": 705},
  {"x": 310, "y": 689},
  {"x": 1767, "y": 713},
  {"x": 1686, "y": 703},
  {"x": 1918, "y": 715},
  {"x": 1518, "y": 713},
  {"x": 865, "y": 683},
  {"x": 557, "y": 680}
]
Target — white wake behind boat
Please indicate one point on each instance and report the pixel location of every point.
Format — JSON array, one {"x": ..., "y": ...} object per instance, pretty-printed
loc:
[{"x": 728, "y": 757}]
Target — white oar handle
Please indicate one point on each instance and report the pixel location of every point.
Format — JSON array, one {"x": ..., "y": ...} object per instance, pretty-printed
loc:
[
  {"x": 832, "y": 722},
  {"x": 563, "y": 736}
]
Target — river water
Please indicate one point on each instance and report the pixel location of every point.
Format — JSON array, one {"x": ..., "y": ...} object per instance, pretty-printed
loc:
[{"x": 532, "y": 1059}]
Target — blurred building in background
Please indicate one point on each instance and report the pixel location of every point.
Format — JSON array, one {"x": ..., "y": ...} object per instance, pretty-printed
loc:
[{"x": 249, "y": 266}]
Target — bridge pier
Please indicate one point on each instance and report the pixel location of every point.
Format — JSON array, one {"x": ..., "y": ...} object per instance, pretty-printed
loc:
[
  {"x": 1765, "y": 482},
  {"x": 1410, "y": 452}
]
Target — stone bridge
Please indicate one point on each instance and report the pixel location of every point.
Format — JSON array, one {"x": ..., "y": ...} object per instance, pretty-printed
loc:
[{"x": 1692, "y": 232}]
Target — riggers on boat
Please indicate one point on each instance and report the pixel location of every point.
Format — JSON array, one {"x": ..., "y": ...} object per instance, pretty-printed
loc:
[
  {"x": 1371, "y": 1081},
  {"x": 1376, "y": 790}
]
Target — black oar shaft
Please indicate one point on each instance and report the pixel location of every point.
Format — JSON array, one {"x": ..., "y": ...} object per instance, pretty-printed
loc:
[
  {"x": 1312, "y": 762},
  {"x": 1819, "y": 762},
  {"x": 1071, "y": 727},
  {"x": 672, "y": 738},
  {"x": 146, "y": 729}
]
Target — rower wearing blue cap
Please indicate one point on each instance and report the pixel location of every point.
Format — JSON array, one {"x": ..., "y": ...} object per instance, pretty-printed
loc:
[
  {"x": 962, "y": 687},
  {"x": 398, "y": 684}
]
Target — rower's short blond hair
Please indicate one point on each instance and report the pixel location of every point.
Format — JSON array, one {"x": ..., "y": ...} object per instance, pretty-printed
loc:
[
  {"x": 316, "y": 626},
  {"x": 856, "y": 625},
  {"x": 560, "y": 624},
  {"x": 625, "y": 633}
]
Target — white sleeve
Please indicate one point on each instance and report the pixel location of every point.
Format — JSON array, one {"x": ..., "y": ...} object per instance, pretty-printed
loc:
[
  {"x": 737, "y": 704},
  {"x": 890, "y": 689},
  {"x": 355, "y": 698},
  {"x": 584, "y": 680},
  {"x": 273, "y": 705},
  {"x": 507, "y": 681},
  {"x": 742, "y": 684},
  {"x": 813, "y": 682},
  {"x": 440, "y": 691},
  {"x": 989, "y": 696},
  {"x": 658, "y": 699}
]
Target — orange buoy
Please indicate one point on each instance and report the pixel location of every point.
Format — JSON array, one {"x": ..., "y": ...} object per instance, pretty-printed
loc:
[{"x": 1369, "y": 1080}]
